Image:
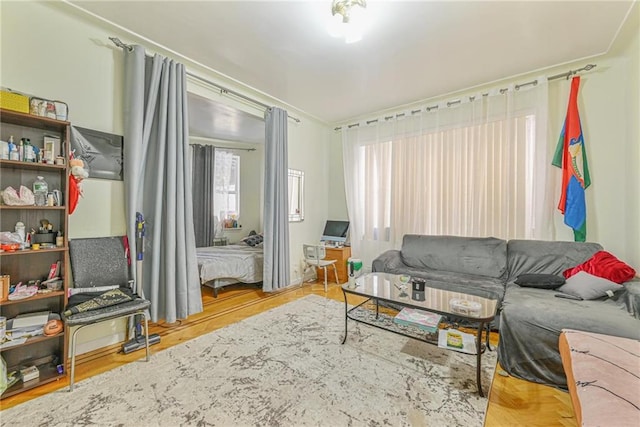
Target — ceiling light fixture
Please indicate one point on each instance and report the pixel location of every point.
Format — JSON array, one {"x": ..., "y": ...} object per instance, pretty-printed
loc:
[
  {"x": 343, "y": 7},
  {"x": 349, "y": 21}
]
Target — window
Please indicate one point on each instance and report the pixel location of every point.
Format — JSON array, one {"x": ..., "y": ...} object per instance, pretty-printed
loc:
[
  {"x": 477, "y": 166},
  {"x": 227, "y": 185},
  {"x": 296, "y": 195},
  {"x": 468, "y": 181}
]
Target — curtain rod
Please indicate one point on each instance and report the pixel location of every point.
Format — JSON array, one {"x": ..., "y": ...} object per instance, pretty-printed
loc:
[
  {"x": 223, "y": 90},
  {"x": 457, "y": 101},
  {"x": 224, "y": 148}
]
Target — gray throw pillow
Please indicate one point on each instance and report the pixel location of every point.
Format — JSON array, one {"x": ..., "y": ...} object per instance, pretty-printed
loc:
[
  {"x": 587, "y": 286},
  {"x": 253, "y": 239}
]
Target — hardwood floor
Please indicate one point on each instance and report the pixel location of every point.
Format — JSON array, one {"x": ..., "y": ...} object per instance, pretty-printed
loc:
[{"x": 512, "y": 402}]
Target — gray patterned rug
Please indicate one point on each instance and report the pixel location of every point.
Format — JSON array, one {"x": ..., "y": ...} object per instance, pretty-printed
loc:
[{"x": 283, "y": 367}]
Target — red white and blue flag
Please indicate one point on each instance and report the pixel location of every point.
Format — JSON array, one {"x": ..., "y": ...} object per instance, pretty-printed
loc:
[{"x": 570, "y": 155}]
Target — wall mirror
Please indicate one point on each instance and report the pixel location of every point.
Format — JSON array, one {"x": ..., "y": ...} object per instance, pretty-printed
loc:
[{"x": 296, "y": 195}]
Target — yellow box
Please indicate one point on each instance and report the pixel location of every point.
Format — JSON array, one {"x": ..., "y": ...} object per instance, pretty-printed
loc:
[{"x": 14, "y": 101}]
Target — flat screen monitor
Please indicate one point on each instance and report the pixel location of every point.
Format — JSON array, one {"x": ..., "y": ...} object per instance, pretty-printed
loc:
[{"x": 335, "y": 231}]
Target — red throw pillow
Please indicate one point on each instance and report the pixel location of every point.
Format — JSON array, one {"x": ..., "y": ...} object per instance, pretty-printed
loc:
[{"x": 603, "y": 264}]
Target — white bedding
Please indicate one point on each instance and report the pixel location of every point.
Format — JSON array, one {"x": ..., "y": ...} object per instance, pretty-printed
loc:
[{"x": 241, "y": 263}]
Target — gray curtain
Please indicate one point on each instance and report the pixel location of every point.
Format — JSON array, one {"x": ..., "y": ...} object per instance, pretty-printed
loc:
[
  {"x": 203, "y": 161},
  {"x": 158, "y": 183},
  {"x": 276, "y": 198}
]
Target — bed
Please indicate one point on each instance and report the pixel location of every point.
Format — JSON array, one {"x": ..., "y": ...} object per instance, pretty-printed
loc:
[{"x": 224, "y": 265}]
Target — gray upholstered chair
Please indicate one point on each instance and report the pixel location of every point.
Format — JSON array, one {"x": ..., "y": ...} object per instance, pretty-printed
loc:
[{"x": 100, "y": 264}]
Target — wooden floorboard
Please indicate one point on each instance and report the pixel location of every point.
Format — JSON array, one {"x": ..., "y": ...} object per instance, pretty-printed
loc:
[{"x": 512, "y": 402}]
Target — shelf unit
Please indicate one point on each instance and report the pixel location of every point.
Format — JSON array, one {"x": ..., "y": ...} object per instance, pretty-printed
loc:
[{"x": 23, "y": 265}]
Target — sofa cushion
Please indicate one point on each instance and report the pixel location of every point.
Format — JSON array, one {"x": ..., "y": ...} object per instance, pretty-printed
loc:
[
  {"x": 478, "y": 256},
  {"x": 588, "y": 286},
  {"x": 538, "y": 256},
  {"x": 603, "y": 264}
]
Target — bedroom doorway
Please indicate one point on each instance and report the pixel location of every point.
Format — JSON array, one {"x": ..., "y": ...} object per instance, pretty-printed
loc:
[{"x": 227, "y": 158}]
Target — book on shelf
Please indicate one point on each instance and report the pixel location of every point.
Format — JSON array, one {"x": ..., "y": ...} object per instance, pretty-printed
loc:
[{"x": 419, "y": 318}]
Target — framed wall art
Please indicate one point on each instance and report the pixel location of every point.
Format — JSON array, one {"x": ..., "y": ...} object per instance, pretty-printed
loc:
[{"x": 101, "y": 152}]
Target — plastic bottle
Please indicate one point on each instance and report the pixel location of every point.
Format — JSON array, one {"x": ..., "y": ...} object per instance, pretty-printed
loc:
[
  {"x": 29, "y": 153},
  {"x": 59, "y": 239},
  {"x": 13, "y": 150},
  {"x": 40, "y": 190},
  {"x": 20, "y": 229},
  {"x": 4, "y": 150}
]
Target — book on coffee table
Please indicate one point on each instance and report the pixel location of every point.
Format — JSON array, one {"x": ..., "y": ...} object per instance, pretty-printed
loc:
[
  {"x": 454, "y": 339},
  {"x": 424, "y": 320}
]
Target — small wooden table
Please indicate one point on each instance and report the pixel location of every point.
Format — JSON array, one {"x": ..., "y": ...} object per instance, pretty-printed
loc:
[
  {"x": 386, "y": 287},
  {"x": 341, "y": 255}
]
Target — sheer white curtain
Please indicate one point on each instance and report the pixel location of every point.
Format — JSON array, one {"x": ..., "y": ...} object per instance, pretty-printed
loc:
[{"x": 477, "y": 167}]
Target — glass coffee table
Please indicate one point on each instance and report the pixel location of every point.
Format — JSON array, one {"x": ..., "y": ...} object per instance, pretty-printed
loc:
[{"x": 387, "y": 288}]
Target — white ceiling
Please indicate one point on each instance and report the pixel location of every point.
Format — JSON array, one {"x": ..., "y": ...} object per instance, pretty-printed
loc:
[{"x": 411, "y": 51}]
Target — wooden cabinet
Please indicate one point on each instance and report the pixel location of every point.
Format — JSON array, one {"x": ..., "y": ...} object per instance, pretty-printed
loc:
[
  {"x": 341, "y": 255},
  {"x": 44, "y": 352}
]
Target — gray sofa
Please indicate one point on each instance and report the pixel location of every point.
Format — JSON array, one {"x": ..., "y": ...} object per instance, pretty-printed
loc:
[{"x": 530, "y": 319}]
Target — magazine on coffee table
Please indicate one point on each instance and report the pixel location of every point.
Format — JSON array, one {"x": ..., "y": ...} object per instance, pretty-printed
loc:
[
  {"x": 424, "y": 320},
  {"x": 453, "y": 339}
]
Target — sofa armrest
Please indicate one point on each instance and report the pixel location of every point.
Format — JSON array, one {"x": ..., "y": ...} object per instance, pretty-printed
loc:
[
  {"x": 387, "y": 261},
  {"x": 632, "y": 297}
]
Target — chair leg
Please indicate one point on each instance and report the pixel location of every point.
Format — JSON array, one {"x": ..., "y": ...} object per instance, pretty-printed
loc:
[
  {"x": 73, "y": 358},
  {"x": 335, "y": 271},
  {"x": 146, "y": 333},
  {"x": 325, "y": 278}
]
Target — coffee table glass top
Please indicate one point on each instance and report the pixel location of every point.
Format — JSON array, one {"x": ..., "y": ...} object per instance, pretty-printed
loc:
[{"x": 388, "y": 287}]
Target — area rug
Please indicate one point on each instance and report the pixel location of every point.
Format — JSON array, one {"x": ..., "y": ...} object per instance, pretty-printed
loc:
[{"x": 283, "y": 367}]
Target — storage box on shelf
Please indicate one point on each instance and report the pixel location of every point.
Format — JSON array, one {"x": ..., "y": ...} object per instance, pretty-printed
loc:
[{"x": 44, "y": 352}]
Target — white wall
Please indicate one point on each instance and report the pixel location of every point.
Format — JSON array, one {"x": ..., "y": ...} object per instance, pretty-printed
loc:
[
  {"x": 606, "y": 123},
  {"x": 308, "y": 152},
  {"x": 54, "y": 51},
  {"x": 64, "y": 58},
  {"x": 627, "y": 48},
  {"x": 609, "y": 108}
]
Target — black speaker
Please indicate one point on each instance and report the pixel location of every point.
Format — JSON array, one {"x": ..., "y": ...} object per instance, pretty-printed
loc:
[
  {"x": 418, "y": 284},
  {"x": 418, "y": 296}
]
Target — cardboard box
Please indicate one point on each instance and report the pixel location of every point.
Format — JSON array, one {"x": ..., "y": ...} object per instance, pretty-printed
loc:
[
  {"x": 14, "y": 101},
  {"x": 29, "y": 373},
  {"x": 4, "y": 287}
]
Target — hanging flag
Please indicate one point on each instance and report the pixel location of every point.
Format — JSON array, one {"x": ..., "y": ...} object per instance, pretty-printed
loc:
[{"x": 572, "y": 158}]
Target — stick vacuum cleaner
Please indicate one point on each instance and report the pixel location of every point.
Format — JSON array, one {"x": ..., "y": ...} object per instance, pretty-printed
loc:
[{"x": 138, "y": 341}]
